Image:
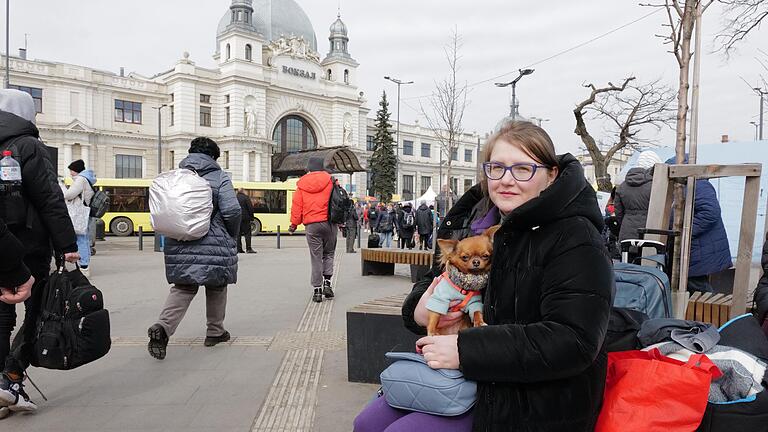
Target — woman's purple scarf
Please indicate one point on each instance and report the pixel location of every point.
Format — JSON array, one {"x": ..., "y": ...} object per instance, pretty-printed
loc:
[{"x": 490, "y": 219}]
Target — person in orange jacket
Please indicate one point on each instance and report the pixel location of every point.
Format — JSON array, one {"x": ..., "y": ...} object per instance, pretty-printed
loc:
[{"x": 310, "y": 207}]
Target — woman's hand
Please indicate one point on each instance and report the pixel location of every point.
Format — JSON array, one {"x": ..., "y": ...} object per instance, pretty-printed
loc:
[
  {"x": 440, "y": 352},
  {"x": 449, "y": 323},
  {"x": 72, "y": 257},
  {"x": 22, "y": 292}
]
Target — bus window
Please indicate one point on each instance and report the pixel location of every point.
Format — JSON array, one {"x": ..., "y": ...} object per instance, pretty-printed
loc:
[
  {"x": 268, "y": 201},
  {"x": 127, "y": 199}
]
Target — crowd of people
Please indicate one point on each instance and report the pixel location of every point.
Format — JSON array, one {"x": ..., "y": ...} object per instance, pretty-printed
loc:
[{"x": 398, "y": 222}]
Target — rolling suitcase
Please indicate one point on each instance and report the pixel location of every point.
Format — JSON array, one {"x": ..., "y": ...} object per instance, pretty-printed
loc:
[
  {"x": 644, "y": 289},
  {"x": 373, "y": 241}
]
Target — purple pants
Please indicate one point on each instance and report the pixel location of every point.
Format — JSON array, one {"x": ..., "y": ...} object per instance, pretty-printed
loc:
[{"x": 378, "y": 416}]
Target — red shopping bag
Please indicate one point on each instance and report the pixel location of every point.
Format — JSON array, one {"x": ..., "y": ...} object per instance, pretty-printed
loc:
[{"x": 646, "y": 391}]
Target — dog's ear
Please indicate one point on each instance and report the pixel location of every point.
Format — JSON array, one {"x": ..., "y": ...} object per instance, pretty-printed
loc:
[
  {"x": 490, "y": 232},
  {"x": 447, "y": 246}
]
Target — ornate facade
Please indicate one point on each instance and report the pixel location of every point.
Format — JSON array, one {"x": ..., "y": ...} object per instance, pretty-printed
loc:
[{"x": 270, "y": 92}]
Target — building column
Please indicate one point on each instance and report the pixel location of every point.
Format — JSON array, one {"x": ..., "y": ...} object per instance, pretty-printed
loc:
[
  {"x": 67, "y": 155},
  {"x": 257, "y": 163},
  {"x": 246, "y": 166},
  {"x": 85, "y": 155}
]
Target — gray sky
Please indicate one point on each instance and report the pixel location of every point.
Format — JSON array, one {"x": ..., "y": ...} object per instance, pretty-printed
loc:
[{"x": 405, "y": 39}]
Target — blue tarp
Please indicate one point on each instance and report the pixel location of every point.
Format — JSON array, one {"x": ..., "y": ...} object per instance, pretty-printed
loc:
[{"x": 730, "y": 190}]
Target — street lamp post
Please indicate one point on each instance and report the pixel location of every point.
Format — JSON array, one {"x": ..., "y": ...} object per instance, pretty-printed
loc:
[
  {"x": 397, "y": 144},
  {"x": 762, "y": 94},
  {"x": 159, "y": 239},
  {"x": 160, "y": 137},
  {"x": 7, "y": 44},
  {"x": 513, "y": 106},
  {"x": 757, "y": 126}
]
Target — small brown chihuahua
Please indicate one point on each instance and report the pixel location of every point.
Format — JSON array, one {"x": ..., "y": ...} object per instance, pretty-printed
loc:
[{"x": 467, "y": 265}]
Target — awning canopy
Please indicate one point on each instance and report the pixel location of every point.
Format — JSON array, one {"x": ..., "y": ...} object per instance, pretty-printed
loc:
[{"x": 336, "y": 160}]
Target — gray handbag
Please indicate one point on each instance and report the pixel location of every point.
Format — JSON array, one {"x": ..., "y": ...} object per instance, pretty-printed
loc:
[{"x": 410, "y": 384}]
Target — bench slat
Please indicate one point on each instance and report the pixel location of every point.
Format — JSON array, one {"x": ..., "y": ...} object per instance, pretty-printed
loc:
[{"x": 394, "y": 256}]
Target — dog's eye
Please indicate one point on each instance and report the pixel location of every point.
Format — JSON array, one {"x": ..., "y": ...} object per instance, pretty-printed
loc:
[
  {"x": 486, "y": 257},
  {"x": 464, "y": 258}
]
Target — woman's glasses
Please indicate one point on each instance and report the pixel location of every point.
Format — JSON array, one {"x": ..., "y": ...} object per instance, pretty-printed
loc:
[{"x": 521, "y": 172}]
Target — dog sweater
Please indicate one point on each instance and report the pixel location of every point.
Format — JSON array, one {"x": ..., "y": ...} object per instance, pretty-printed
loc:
[{"x": 446, "y": 292}]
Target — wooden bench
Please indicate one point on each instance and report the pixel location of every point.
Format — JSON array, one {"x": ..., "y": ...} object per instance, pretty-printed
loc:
[
  {"x": 711, "y": 308},
  {"x": 373, "y": 329},
  {"x": 381, "y": 261}
]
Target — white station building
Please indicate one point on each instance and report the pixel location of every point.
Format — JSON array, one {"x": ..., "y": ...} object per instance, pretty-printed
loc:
[{"x": 271, "y": 96}]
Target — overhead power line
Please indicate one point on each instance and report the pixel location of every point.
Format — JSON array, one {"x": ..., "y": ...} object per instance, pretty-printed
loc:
[{"x": 554, "y": 56}]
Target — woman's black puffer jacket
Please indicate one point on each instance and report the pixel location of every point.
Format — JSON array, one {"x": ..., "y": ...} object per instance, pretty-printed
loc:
[{"x": 540, "y": 363}]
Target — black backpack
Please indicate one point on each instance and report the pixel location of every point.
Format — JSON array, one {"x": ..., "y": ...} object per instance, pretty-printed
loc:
[
  {"x": 408, "y": 220},
  {"x": 338, "y": 204},
  {"x": 99, "y": 201},
  {"x": 73, "y": 326}
]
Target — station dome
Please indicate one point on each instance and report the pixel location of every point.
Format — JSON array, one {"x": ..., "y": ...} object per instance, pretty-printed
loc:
[{"x": 271, "y": 19}]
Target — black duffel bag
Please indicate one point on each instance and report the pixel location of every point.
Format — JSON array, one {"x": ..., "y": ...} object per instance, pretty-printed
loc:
[
  {"x": 751, "y": 415},
  {"x": 73, "y": 326},
  {"x": 623, "y": 326}
]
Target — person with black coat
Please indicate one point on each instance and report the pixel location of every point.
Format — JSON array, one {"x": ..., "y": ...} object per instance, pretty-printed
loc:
[
  {"x": 246, "y": 215},
  {"x": 350, "y": 227},
  {"x": 36, "y": 215},
  {"x": 633, "y": 197},
  {"x": 540, "y": 363},
  {"x": 385, "y": 225},
  {"x": 761, "y": 291},
  {"x": 404, "y": 230},
  {"x": 424, "y": 225},
  {"x": 13, "y": 272}
]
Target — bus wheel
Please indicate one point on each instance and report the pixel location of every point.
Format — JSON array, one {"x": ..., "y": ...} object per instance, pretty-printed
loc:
[
  {"x": 255, "y": 227},
  {"x": 121, "y": 226}
]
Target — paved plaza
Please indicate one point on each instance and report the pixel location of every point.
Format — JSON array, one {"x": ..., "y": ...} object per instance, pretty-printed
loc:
[{"x": 285, "y": 368}]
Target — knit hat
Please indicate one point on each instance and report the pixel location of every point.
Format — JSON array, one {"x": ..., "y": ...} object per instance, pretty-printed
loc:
[
  {"x": 648, "y": 159},
  {"x": 77, "y": 166}
]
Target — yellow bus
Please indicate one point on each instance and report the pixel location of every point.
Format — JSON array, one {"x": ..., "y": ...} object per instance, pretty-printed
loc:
[{"x": 129, "y": 205}]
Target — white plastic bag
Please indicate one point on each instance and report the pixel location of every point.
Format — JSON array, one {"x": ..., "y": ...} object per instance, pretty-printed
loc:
[
  {"x": 79, "y": 213},
  {"x": 181, "y": 205}
]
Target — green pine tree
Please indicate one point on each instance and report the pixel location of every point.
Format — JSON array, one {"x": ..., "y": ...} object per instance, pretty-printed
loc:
[{"x": 383, "y": 162}]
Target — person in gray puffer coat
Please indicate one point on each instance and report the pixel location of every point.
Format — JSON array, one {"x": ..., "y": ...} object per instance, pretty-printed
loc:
[
  {"x": 210, "y": 261},
  {"x": 634, "y": 196}
]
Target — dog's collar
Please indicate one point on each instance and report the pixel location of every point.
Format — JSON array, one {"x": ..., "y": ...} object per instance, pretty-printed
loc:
[{"x": 464, "y": 281}]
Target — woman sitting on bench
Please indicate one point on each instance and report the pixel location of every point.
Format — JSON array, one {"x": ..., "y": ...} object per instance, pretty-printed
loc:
[{"x": 540, "y": 364}]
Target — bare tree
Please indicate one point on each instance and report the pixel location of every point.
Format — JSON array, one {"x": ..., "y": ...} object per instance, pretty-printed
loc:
[
  {"x": 446, "y": 109},
  {"x": 740, "y": 17},
  {"x": 629, "y": 110},
  {"x": 681, "y": 15}
]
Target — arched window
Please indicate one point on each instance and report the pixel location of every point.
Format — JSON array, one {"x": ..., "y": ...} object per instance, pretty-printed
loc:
[
  {"x": 346, "y": 76},
  {"x": 229, "y": 52},
  {"x": 294, "y": 134},
  {"x": 330, "y": 75},
  {"x": 248, "y": 52}
]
